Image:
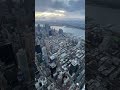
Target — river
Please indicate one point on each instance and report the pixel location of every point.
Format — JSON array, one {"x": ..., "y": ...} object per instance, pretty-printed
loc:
[{"x": 74, "y": 31}]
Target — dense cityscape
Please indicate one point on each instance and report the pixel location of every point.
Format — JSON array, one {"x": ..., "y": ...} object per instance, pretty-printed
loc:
[
  {"x": 16, "y": 45},
  {"x": 102, "y": 56},
  {"x": 59, "y": 58}
]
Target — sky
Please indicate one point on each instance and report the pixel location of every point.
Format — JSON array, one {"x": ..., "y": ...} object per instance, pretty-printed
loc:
[{"x": 59, "y": 9}]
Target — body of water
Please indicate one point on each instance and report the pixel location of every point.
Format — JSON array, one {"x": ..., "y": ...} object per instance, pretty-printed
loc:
[{"x": 74, "y": 31}]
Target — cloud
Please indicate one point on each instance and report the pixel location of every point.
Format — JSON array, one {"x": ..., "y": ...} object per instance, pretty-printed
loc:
[
  {"x": 68, "y": 6},
  {"x": 49, "y": 14}
]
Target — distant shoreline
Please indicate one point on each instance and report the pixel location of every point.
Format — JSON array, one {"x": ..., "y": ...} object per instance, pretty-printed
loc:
[{"x": 69, "y": 26}]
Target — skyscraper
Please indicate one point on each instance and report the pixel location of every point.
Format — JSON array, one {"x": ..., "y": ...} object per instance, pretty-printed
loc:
[{"x": 23, "y": 64}]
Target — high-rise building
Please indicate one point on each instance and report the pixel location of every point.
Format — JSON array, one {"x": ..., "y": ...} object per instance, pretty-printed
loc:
[
  {"x": 29, "y": 46},
  {"x": 30, "y": 51},
  {"x": 38, "y": 51},
  {"x": 73, "y": 67},
  {"x": 60, "y": 31},
  {"x": 23, "y": 64},
  {"x": 38, "y": 27},
  {"x": 47, "y": 26},
  {"x": 45, "y": 55}
]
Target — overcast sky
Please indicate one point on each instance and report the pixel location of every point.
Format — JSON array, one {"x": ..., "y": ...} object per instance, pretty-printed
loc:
[{"x": 59, "y": 9}]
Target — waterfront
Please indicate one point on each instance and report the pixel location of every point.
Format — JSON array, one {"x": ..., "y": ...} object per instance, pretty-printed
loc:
[{"x": 74, "y": 31}]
